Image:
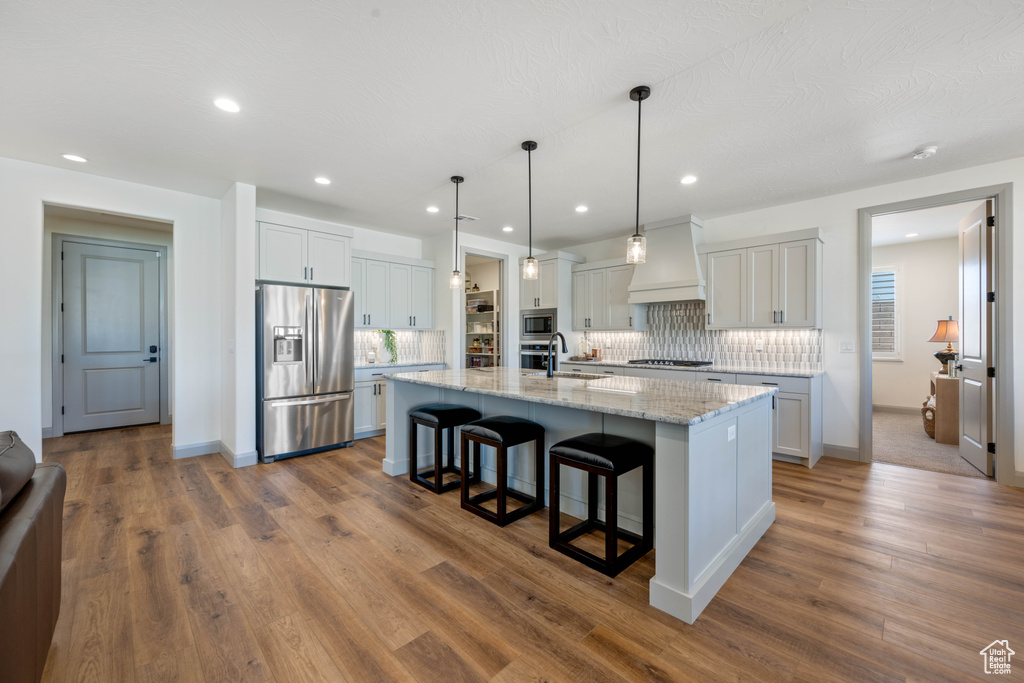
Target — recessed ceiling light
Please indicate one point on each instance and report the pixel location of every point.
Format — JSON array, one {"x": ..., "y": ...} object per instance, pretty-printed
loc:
[
  {"x": 75, "y": 157},
  {"x": 322, "y": 180},
  {"x": 925, "y": 152},
  {"x": 507, "y": 228},
  {"x": 432, "y": 209},
  {"x": 581, "y": 209},
  {"x": 227, "y": 105},
  {"x": 912, "y": 234},
  {"x": 688, "y": 179}
]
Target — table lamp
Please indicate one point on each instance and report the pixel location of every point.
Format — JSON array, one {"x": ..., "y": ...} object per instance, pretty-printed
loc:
[{"x": 946, "y": 331}]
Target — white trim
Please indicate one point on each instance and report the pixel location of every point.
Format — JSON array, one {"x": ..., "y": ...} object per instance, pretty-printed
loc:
[
  {"x": 774, "y": 238},
  {"x": 290, "y": 220},
  {"x": 391, "y": 258},
  {"x": 896, "y": 355},
  {"x": 193, "y": 449},
  {"x": 239, "y": 459}
]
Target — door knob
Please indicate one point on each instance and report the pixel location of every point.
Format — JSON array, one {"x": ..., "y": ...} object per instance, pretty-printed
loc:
[
  {"x": 151, "y": 359},
  {"x": 152, "y": 348}
]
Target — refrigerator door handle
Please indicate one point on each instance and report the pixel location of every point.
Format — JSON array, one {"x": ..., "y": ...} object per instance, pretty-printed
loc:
[
  {"x": 310, "y": 401},
  {"x": 310, "y": 344}
]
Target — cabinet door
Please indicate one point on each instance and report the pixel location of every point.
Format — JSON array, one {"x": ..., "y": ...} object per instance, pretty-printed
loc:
[
  {"x": 548, "y": 284},
  {"x": 791, "y": 425},
  {"x": 798, "y": 294},
  {"x": 529, "y": 292},
  {"x": 727, "y": 286},
  {"x": 376, "y": 294},
  {"x": 328, "y": 259},
  {"x": 365, "y": 407},
  {"x": 763, "y": 286},
  {"x": 580, "y": 300},
  {"x": 422, "y": 297},
  {"x": 359, "y": 292},
  {"x": 598, "y": 286},
  {"x": 283, "y": 253},
  {"x": 620, "y": 312},
  {"x": 399, "y": 293},
  {"x": 382, "y": 406}
]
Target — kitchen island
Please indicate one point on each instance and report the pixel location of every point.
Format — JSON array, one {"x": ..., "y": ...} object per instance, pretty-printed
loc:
[{"x": 712, "y": 453}]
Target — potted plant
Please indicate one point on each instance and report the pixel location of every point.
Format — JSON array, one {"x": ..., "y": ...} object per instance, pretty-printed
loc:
[{"x": 390, "y": 344}]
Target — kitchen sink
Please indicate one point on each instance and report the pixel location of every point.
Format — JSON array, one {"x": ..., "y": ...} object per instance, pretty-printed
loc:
[{"x": 565, "y": 375}]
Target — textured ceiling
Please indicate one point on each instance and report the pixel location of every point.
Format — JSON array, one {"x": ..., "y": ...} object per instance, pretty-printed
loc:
[
  {"x": 930, "y": 224},
  {"x": 767, "y": 101}
]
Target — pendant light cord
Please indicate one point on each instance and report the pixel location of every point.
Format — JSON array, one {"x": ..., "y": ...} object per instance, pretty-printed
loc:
[
  {"x": 457, "y": 226},
  {"x": 639, "y": 106},
  {"x": 529, "y": 194}
]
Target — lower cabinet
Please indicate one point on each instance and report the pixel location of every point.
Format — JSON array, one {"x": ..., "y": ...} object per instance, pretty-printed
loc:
[
  {"x": 370, "y": 408},
  {"x": 796, "y": 416}
]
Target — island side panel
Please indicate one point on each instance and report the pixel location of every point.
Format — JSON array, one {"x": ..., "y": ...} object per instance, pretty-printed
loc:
[
  {"x": 712, "y": 504},
  {"x": 400, "y": 398}
]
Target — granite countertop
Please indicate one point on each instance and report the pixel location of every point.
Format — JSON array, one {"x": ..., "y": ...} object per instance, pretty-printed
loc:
[
  {"x": 391, "y": 366},
  {"x": 659, "y": 400},
  {"x": 716, "y": 367}
]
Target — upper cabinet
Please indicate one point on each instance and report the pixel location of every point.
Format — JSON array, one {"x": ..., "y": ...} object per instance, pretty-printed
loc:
[
  {"x": 542, "y": 292},
  {"x": 392, "y": 295},
  {"x": 600, "y": 297},
  {"x": 302, "y": 256},
  {"x": 765, "y": 285}
]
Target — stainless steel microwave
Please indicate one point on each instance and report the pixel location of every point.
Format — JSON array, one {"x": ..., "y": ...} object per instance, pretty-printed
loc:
[{"x": 539, "y": 324}]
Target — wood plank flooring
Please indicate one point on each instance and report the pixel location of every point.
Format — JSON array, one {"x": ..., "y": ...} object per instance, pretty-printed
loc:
[{"x": 322, "y": 568}]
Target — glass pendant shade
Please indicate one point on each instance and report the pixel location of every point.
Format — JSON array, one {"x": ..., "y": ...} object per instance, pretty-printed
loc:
[
  {"x": 530, "y": 269},
  {"x": 636, "y": 249},
  {"x": 456, "y": 280}
]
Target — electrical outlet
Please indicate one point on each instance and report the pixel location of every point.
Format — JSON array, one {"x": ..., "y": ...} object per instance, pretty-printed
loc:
[
  {"x": 846, "y": 347},
  {"x": 759, "y": 344},
  {"x": 732, "y": 433}
]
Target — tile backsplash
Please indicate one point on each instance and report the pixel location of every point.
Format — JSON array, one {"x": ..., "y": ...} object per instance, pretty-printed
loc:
[
  {"x": 414, "y": 346},
  {"x": 676, "y": 330}
]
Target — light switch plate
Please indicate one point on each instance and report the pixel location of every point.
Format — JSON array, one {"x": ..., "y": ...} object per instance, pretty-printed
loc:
[
  {"x": 846, "y": 347},
  {"x": 759, "y": 344},
  {"x": 732, "y": 433}
]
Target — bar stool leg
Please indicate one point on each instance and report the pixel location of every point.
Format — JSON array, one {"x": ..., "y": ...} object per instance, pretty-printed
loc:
[
  {"x": 451, "y": 448},
  {"x": 413, "y": 460},
  {"x": 611, "y": 521},
  {"x": 592, "y": 498},
  {"x": 465, "y": 450},
  {"x": 538, "y": 469},
  {"x": 553, "y": 500},
  {"x": 648, "y": 523},
  {"x": 502, "y": 467},
  {"x": 438, "y": 454},
  {"x": 478, "y": 474}
]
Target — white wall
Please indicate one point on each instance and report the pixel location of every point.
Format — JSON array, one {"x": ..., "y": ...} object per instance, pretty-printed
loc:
[
  {"x": 486, "y": 273},
  {"x": 70, "y": 226},
  {"x": 926, "y": 292},
  {"x": 24, "y": 188}
]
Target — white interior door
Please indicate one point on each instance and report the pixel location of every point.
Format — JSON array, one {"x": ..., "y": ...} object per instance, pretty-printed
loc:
[
  {"x": 976, "y": 338},
  {"x": 111, "y": 330}
]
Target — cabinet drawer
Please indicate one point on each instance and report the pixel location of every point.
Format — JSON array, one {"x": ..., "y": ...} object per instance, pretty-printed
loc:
[
  {"x": 793, "y": 385},
  {"x": 723, "y": 377}
]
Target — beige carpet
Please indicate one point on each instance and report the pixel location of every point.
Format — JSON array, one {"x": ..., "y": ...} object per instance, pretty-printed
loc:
[{"x": 901, "y": 440}]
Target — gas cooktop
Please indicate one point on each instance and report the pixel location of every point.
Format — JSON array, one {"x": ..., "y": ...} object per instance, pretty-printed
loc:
[{"x": 680, "y": 363}]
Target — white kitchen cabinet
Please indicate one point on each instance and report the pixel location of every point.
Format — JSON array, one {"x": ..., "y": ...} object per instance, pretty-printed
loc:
[
  {"x": 591, "y": 369},
  {"x": 620, "y": 311},
  {"x": 764, "y": 286},
  {"x": 796, "y": 416},
  {"x": 365, "y": 407},
  {"x": 727, "y": 289},
  {"x": 399, "y": 296},
  {"x": 395, "y": 296},
  {"x": 301, "y": 256},
  {"x": 600, "y": 298},
  {"x": 662, "y": 373},
  {"x": 542, "y": 292}
]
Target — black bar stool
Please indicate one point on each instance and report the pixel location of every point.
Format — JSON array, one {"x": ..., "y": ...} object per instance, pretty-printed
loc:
[
  {"x": 610, "y": 456},
  {"x": 501, "y": 432},
  {"x": 439, "y": 417}
]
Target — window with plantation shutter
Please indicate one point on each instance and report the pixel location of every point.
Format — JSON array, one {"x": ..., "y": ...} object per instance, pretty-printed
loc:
[{"x": 885, "y": 314}]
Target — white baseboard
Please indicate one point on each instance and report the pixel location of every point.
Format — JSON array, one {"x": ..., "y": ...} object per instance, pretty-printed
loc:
[
  {"x": 47, "y": 432},
  {"x": 901, "y": 410},
  {"x": 237, "y": 460},
  {"x": 841, "y": 452},
  {"x": 194, "y": 449},
  {"x": 688, "y": 606}
]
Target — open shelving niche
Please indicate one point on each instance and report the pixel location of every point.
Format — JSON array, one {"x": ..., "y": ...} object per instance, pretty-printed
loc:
[{"x": 483, "y": 326}]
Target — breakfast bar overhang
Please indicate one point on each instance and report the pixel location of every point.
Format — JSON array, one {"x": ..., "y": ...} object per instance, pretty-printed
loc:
[{"x": 712, "y": 454}]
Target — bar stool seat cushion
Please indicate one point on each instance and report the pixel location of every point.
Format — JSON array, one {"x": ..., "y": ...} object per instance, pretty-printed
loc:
[
  {"x": 504, "y": 429},
  {"x": 608, "y": 451},
  {"x": 445, "y": 415}
]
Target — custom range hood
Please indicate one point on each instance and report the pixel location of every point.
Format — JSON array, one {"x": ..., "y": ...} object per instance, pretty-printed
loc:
[{"x": 672, "y": 270}]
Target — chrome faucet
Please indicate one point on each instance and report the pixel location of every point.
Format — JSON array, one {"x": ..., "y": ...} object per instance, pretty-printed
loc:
[{"x": 553, "y": 353}]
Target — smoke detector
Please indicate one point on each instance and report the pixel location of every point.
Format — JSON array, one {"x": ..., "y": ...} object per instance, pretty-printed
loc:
[{"x": 925, "y": 152}]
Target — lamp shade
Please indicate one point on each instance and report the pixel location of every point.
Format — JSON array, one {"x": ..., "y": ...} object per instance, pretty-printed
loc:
[{"x": 946, "y": 331}]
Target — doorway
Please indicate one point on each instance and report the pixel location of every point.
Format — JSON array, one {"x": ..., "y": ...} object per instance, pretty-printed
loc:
[
  {"x": 108, "y": 314},
  {"x": 484, "y": 341},
  {"x": 915, "y": 304},
  {"x": 994, "y": 325}
]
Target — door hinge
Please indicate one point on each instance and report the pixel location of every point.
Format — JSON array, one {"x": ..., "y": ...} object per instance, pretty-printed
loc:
[
  {"x": 62, "y": 308},
  {"x": 62, "y": 358},
  {"x": 62, "y": 256},
  {"x": 991, "y": 372},
  {"x": 991, "y": 221},
  {"x": 991, "y": 297},
  {"x": 62, "y": 410},
  {"x": 991, "y": 447}
]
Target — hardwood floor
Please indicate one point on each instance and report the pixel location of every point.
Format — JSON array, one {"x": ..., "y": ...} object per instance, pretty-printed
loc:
[{"x": 322, "y": 568}]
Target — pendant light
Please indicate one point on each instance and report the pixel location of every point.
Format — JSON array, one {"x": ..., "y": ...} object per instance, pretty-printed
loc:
[
  {"x": 636, "y": 244},
  {"x": 456, "y": 281},
  {"x": 530, "y": 267}
]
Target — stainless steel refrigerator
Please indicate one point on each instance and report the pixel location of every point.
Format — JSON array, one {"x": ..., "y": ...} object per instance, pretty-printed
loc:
[{"x": 305, "y": 376}]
